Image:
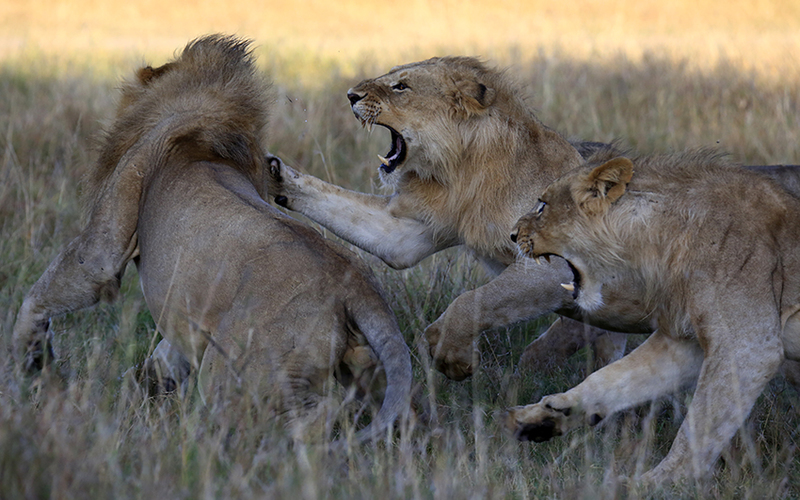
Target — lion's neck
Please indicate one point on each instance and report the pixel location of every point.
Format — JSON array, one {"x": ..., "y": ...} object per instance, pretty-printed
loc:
[
  {"x": 477, "y": 194},
  {"x": 500, "y": 182}
]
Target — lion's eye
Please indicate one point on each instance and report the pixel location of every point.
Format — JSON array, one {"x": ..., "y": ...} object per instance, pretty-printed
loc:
[
  {"x": 539, "y": 208},
  {"x": 399, "y": 86}
]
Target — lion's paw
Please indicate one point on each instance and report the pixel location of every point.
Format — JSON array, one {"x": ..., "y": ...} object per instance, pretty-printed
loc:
[
  {"x": 539, "y": 422},
  {"x": 32, "y": 341},
  {"x": 454, "y": 361}
]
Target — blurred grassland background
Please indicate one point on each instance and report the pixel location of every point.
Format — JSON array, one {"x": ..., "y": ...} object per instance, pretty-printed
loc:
[
  {"x": 660, "y": 76},
  {"x": 761, "y": 34}
]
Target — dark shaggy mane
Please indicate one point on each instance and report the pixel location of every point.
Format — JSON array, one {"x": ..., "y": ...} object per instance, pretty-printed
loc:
[{"x": 214, "y": 90}]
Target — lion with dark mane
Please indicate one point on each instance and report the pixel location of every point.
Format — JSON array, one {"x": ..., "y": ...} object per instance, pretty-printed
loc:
[
  {"x": 239, "y": 291},
  {"x": 713, "y": 250}
]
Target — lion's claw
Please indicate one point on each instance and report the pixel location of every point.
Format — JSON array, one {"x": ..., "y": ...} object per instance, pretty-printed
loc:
[
  {"x": 538, "y": 432},
  {"x": 275, "y": 164}
]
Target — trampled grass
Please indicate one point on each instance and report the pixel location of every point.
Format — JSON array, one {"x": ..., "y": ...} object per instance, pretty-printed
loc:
[{"x": 79, "y": 432}]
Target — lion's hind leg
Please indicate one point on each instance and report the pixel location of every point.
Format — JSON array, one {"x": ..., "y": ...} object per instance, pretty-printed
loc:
[
  {"x": 360, "y": 370},
  {"x": 87, "y": 271},
  {"x": 253, "y": 374},
  {"x": 564, "y": 338}
]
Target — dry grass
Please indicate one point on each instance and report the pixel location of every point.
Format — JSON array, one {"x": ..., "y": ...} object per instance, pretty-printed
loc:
[{"x": 78, "y": 432}]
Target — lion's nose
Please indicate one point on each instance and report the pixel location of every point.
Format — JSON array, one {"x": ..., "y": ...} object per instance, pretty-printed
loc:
[
  {"x": 514, "y": 236},
  {"x": 354, "y": 97}
]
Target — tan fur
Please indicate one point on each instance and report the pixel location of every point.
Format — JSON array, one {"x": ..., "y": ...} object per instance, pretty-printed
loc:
[
  {"x": 714, "y": 252},
  {"x": 475, "y": 155},
  {"x": 241, "y": 292}
]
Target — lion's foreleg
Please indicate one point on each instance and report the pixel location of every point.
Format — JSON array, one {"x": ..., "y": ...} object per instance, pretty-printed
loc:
[
  {"x": 519, "y": 293},
  {"x": 90, "y": 268},
  {"x": 608, "y": 346},
  {"x": 659, "y": 366},
  {"x": 732, "y": 377},
  {"x": 385, "y": 227},
  {"x": 791, "y": 371}
]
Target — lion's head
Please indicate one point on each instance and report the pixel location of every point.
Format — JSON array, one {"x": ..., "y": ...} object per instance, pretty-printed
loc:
[
  {"x": 437, "y": 111},
  {"x": 571, "y": 220}
]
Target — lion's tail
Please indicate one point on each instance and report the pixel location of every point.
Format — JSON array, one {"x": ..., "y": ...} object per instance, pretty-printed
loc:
[{"x": 377, "y": 323}]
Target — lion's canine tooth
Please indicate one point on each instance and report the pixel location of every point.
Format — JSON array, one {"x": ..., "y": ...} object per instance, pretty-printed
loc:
[
  {"x": 536, "y": 259},
  {"x": 383, "y": 160},
  {"x": 547, "y": 258},
  {"x": 568, "y": 286}
]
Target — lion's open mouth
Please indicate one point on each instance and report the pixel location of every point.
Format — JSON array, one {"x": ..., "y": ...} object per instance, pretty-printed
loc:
[
  {"x": 575, "y": 286},
  {"x": 396, "y": 155}
]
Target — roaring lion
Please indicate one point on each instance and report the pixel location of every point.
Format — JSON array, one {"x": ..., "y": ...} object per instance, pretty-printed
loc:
[
  {"x": 239, "y": 291},
  {"x": 713, "y": 250},
  {"x": 467, "y": 157}
]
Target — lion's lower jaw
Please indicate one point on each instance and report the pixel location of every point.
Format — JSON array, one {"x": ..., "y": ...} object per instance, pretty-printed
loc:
[
  {"x": 590, "y": 297},
  {"x": 390, "y": 180}
]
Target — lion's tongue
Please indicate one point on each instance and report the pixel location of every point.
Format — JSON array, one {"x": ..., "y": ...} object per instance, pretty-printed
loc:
[
  {"x": 387, "y": 162},
  {"x": 390, "y": 163}
]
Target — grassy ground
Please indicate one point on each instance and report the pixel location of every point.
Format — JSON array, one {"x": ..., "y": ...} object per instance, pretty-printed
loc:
[{"x": 79, "y": 432}]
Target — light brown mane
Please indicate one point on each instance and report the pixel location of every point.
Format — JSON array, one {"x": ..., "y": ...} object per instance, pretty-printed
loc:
[{"x": 483, "y": 159}]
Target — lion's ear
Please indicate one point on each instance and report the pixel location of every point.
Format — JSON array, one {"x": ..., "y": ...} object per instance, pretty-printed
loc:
[
  {"x": 473, "y": 97},
  {"x": 148, "y": 73},
  {"x": 604, "y": 185}
]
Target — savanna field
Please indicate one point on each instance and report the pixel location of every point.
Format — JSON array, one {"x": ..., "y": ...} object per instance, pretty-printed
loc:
[{"x": 615, "y": 71}]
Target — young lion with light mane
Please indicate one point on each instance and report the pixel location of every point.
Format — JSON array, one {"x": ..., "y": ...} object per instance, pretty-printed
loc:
[
  {"x": 467, "y": 157},
  {"x": 239, "y": 290},
  {"x": 714, "y": 252}
]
